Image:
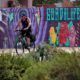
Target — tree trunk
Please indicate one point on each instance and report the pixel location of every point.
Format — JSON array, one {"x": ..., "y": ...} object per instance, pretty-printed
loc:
[{"x": 26, "y": 3}]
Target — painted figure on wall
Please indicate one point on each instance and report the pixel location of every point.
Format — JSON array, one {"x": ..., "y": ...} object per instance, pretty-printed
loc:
[
  {"x": 78, "y": 34},
  {"x": 72, "y": 36},
  {"x": 52, "y": 37},
  {"x": 3, "y": 30},
  {"x": 37, "y": 14},
  {"x": 63, "y": 33}
]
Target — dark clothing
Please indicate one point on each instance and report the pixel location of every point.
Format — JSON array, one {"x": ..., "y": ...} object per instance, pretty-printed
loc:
[
  {"x": 25, "y": 23},
  {"x": 27, "y": 32}
]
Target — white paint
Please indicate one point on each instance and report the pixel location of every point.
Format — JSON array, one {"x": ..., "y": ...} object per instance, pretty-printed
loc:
[
  {"x": 1, "y": 29},
  {"x": 0, "y": 16}
]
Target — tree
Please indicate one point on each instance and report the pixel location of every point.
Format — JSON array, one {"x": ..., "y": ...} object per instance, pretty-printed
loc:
[{"x": 44, "y": 2}]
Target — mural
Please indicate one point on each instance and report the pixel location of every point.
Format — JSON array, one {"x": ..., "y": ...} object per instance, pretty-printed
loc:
[
  {"x": 3, "y": 29},
  {"x": 52, "y": 36},
  {"x": 65, "y": 34},
  {"x": 55, "y": 33}
]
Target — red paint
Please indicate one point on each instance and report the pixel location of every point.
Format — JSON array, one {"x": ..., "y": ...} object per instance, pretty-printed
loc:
[{"x": 63, "y": 33}]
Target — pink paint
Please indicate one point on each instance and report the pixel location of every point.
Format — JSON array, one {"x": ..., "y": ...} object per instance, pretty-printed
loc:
[{"x": 72, "y": 36}]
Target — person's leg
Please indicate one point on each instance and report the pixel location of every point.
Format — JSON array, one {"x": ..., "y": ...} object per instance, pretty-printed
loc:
[
  {"x": 29, "y": 37},
  {"x": 27, "y": 44},
  {"x": 28, "y": 41}
]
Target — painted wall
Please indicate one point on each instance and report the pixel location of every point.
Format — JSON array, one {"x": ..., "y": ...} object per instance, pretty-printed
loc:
[{"x": 55, "y": 33}]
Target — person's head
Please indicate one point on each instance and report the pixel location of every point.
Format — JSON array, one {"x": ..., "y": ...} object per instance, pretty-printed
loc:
[{"x": 23, "y": 17}]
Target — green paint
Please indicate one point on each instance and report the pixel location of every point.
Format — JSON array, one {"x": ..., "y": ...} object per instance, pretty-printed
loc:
[
  {"x": 67, "y": 42},
  {"x": 11, "y": 16},
  {"x": 70, "y": 24},
  {"x": 57, "y": 28},
  {"x": 50, "y": 40},
  {"x": 57, "y": 31},
  {"x": 57, "y": 42}
]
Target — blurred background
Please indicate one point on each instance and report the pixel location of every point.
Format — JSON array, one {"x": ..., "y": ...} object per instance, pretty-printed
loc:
[
  {"x": 6, "y": 30},
  {"x": 30, "y": 3}
]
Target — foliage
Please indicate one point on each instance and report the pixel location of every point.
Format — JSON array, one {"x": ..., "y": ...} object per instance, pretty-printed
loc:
[
  {"x": 43, "y": 2},
  {"x": 13, "y": 67},
  {"x": 60, "y": 65}
]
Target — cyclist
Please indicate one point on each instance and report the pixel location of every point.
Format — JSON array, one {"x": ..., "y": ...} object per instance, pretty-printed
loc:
[{"x": 26, "y": 27}]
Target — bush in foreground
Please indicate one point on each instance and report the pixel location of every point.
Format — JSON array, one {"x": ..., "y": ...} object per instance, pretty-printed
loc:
[{"x": 61, "y": 66}]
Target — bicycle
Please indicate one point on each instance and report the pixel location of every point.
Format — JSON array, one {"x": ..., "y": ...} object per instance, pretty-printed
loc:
[{"x": 21, "y": 43}]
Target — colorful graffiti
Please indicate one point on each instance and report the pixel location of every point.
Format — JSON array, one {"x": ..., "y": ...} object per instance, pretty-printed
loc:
[
  {"x": 3, "y": 28},
  {"x": 65, "y": 34},
  {"x": 55, "y": 33},
  {"x": 52, "y": 37}
]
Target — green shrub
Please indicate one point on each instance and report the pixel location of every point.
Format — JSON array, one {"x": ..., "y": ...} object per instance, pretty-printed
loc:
[
  {"x": 60, "y": 65},
  {"x": 14, "y": 67}
]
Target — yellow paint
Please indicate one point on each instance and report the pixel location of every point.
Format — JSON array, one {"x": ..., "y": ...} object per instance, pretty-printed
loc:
[{"x": 52, "y": 34}]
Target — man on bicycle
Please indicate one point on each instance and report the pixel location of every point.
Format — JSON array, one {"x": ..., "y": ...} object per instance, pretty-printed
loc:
[{"x": 26, "y": 27}]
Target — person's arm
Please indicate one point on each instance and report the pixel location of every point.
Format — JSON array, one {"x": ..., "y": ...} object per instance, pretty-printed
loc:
[
  {"x": 29, "y": 21},
  {"x": 17, "y": 25},
  {"x": 29, "y": 24}
]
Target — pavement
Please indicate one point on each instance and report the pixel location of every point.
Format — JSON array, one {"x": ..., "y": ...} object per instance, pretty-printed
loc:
[
  {"x": 67, "y": 49},
  {"x": 13, "y": 51}
]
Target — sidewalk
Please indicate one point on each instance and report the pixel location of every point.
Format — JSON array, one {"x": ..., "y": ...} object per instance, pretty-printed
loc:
[
  {"x": 13, "y": 51},
  {"x": 67, "y": 49}
]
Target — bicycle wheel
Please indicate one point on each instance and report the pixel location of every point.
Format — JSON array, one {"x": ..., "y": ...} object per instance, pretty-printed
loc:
[
  {"x": 33, "y": 39},
  {"x": 19, "y": 48}
]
